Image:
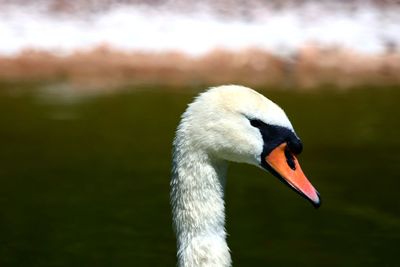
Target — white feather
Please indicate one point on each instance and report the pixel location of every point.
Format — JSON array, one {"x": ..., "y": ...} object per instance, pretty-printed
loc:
[{"x": 214, "y": 129}]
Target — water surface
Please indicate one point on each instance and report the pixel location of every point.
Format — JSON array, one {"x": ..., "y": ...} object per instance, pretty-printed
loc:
[{"x": 85, "y": 183}]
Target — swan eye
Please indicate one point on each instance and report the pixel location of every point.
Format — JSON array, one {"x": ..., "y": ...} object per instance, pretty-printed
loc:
[
  {"x": 274, "y": 135},
  {"x": 256, "y": 123}
]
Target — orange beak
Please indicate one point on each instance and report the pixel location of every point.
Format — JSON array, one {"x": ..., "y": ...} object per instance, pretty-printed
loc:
[{"x": 287, "y": 168}]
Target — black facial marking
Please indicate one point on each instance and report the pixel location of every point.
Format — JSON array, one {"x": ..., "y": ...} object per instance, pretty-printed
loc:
[
  {"x": 295, "y": 145},
  {"x": 274, "y": 135},
  {"x": 256, "y": 123}
]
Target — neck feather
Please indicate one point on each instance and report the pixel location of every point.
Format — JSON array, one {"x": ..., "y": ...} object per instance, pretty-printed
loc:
[{"x": 197, "y": 189}]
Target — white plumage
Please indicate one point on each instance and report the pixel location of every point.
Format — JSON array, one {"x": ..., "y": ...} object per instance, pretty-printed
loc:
[{"x": 213, "y": 130}]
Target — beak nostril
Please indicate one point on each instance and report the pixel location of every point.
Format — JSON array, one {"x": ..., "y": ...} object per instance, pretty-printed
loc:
[
  {"x": 290, "y": 158},
  {"x": 282, "y": 162}
]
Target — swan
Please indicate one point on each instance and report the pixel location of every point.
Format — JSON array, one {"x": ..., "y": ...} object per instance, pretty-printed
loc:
[{"x": 223, "y": 124}]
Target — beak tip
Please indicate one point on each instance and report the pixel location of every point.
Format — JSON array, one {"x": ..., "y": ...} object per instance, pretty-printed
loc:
[{"x": 317, "y": 202}]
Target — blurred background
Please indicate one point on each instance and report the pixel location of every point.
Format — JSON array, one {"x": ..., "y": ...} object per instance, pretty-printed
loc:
[{"x": 91, "y": 93}]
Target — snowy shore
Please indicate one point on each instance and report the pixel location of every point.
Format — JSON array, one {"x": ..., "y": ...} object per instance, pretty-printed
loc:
[{"x": 366, "y": 29}]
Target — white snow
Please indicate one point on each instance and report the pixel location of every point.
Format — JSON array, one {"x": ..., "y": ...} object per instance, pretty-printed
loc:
[{"x": 366, "y": 29}]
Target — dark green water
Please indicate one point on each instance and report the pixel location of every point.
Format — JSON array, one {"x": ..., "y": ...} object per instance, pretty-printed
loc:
[{"x": 86, "y": 183}]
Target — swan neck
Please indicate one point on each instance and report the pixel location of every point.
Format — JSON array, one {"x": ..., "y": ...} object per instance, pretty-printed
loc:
[{"x": 197, "y": 190}]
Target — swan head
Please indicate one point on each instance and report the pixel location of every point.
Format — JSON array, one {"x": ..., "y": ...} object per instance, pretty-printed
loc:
[{"x": 235, "y": 123}]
